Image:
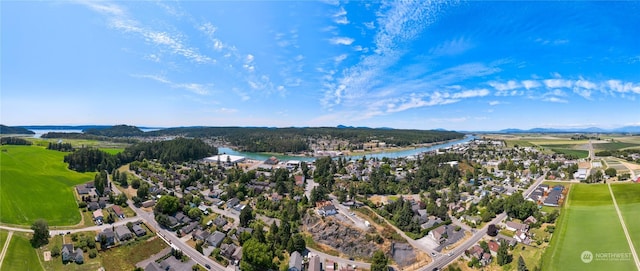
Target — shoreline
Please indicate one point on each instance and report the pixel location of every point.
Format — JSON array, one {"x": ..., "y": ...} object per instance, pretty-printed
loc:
[{"x": 351, "y": 153}]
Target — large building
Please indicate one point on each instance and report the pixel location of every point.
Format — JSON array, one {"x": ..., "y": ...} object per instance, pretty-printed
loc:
[{"x": 225, "y": 159}]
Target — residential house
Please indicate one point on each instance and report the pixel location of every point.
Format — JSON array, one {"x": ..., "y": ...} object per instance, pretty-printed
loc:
[
  {"x": 486, "y": 259},
  {"x": 233, "y": 202},
  {"x": 138, "y": 231},
  {"x": 82, "y": 189},
  {"x": 182, "y": 218},
  {"x": 299, "y": 179},
  {"x": 227, "y": 250},
  {"x": 439, "y": 234},
  {"x": 326, "y": 208},
  {"x": 148, "y": 203},
  {"x": 473, "y": 219},
  {"x": 216, "y": 239},
  {"x": 102, "y": 202},
  {"x": 118, "y": 211},
  {"x": 201, "y": 235},
  {"x": 493, "y": 247},
  {"x": 98, "y": 217},
  {"x": 123, "y": 233},
  {"x": 433, "y": 221},
  {"x": 475, "y": 252},
  {"x": 295, "y": 262},
  {"x": 108, "y": 236},
  {"x": 220, "y": 222},
  {"x": 515, "y": 226},
  {"x": 522, "y": 237},
  {"x": 189, "y": 228},
  {"x": 92, "y": 206},
  {"x": 71, "y": 255},
  {"x": 530, "y": 220}
]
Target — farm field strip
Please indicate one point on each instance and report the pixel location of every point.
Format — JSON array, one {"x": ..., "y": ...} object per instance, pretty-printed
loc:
[
  {"x": 587, "y": 212},
  {"x": 20, "y": 255},
  {"x": 624, "y": 228},
  {"x": 627, "y": 196},
  {"x": 36, "y": 183}
]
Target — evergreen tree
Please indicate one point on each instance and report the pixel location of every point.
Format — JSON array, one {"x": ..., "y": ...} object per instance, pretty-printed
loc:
[
  {"x": 40, "y": 233},
  {"x": 379, "y": 261},
  {"x": 521, "y": 265},
  {"x": 503, "y": 254}
]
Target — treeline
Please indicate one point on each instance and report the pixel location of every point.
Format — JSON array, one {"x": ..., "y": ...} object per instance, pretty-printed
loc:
[
  {"x": 14, "y": 141},
  {"x": 8, "y": 130},
  {"x": 87, "y": 137},
  {"x": 63, "y": 147},
  {"x": 115, "y": 131},
  {"x": 260, "y": 139},
  {"x": 172, "y": 151}
]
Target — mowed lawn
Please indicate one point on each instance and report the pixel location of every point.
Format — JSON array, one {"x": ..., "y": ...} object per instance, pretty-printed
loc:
[
  {"x": 20, "y": 255},
  {"x": 37, "y": 184},
  {"x": 588, "y": 222},
  {"x": 628, "y": 198}
]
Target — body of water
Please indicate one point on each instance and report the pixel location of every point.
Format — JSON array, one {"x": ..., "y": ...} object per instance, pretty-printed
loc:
[{"x": 390, "y": 154}]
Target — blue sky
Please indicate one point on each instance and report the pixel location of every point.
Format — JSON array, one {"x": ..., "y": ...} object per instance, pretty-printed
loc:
[{"x": 419, "y": 65}]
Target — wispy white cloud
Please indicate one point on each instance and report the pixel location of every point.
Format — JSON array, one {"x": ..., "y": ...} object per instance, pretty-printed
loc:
[
  {"x": 472, "y": 93},
  {"x": 224, "y": 110},
  {"x": 200, "y": 89},
  {"x": 340, "y": 58},
  {"x": 341, "y": 41},
  {"x": 530, "y": 84},
  {"x": 118, "y": 19},
  {"x": 554, "y": 100},
  {"x": 340, "y": 17},
  {"x": 559, "y": 86},
  {"x": 493, "y": 103},
  {"x": 451, "y": 47}
]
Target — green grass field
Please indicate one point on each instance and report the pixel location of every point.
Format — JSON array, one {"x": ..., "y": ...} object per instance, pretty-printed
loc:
[
  {"x": 3, "y": 237},
  {"x": 577, "y": 153},
  {"x": 588, "y": 223},
  {"x": 614, "y": 146},
  {"x": 20, "y": 255},
  {"x": 37, "y": 184},
  {"x": 628, "y": 198}
]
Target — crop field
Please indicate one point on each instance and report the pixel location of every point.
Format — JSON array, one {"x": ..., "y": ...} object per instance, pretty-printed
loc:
[
  {"x": 612, "y": 146},
  {"x": 613, "y": 163},
  {"x": 37, "y": 184},
  {"x": 20, "y": 255},
  {"x": 587, "y": 219},
  {"x": 628, "y": 199}
]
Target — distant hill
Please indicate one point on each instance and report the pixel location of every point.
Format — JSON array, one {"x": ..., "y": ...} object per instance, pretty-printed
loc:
[
  {"x": 625, "y": 129},
  {"x": 115, "y": 131},
  {"x": 8, "y": 130}
]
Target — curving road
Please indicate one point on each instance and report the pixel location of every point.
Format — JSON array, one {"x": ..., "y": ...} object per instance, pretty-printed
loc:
[{"x": 440, "y": 261}]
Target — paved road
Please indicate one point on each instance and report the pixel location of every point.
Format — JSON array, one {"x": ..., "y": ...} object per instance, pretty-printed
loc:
[
  {"x": 443, "y": 260},
  {"x": 4, "y": 248},
  {"x": 624, "y": 228}
]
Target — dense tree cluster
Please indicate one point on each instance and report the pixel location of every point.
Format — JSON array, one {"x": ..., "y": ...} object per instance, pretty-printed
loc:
[
  {"x": 61, "y": 146},
  {"x": 400, "y": 213},
  {"x": 259, "y": 139},
  {"x": 379, "y": 261},
  {"x": 90, "y": 159},
  {"x": 8, "y": 130},
  {"x": 115, "y": 131},
  {"x": 14, "y": 141},
  {"x": 171, "y": 151}
]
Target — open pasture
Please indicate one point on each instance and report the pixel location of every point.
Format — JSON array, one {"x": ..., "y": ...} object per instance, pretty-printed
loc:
[
  {"x": 36, "y": 183},
  {"x": 628, "y": 199},
  {"x": 587, "y": 220}
]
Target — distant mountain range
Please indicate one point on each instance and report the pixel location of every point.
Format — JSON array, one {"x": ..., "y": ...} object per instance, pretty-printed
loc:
[{"x": 625, "y": 129}]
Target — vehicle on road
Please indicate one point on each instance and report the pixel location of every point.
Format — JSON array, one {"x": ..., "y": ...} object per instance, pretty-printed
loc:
[{"x": 207, "y": 266}]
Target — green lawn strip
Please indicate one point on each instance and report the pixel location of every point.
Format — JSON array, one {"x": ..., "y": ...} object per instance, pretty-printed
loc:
[
  {"x": 20, "y": 255},
  {"x": 126, "y": 256},
  {"x": 588, "y": 223},
  {"x": 111, "y": 151},
  {"x": 3, "y": 237},
  {"x": 628, "y": 198},
  {"x": 36, "y": 183}
]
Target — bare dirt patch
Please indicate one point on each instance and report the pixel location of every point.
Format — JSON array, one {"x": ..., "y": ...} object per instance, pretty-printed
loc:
[{"x": 47, "y": 256}]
